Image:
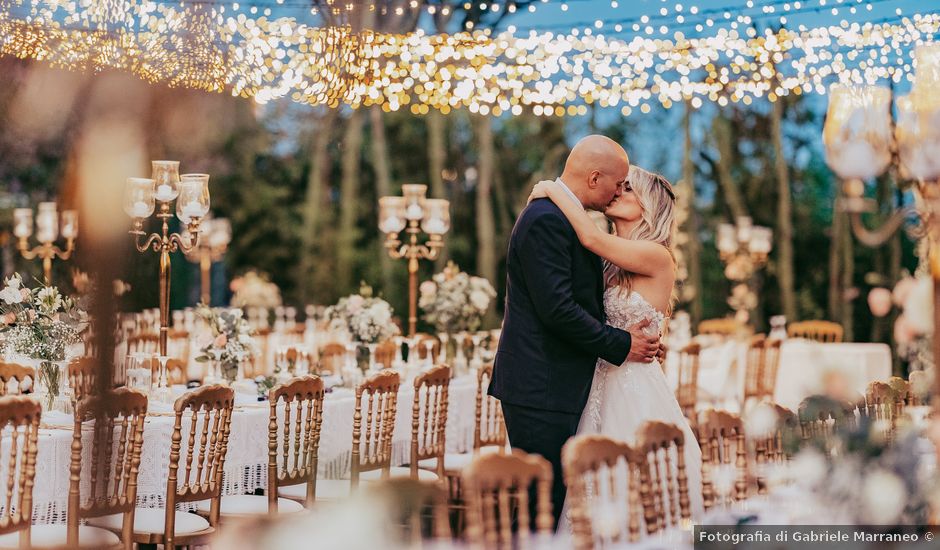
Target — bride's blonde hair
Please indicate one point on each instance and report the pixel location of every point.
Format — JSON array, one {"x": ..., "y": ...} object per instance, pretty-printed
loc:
[{"x": 657, "y": 223}]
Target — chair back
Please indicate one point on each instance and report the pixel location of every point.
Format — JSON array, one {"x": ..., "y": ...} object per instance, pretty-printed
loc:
[
  {"x": 601, "y": 471},
  {"x": 919, "y": 384},
  {"x": 495, "y": 485},
  {"x": 429, "y": 418},
  {"x": 724, "y": 469},
  {"x": 687, "y": 390},
  {"x": 110, "y": 470},
  {"x": 200, "y": 439},
  {"x": 294, "y": 436},
  {"x": 427, "y": 342},
  {"x": 884, "y": 405},
  {"x": 727, "y": 326},
  {"x": 13, "y": 372},
  {"x": 385, "y": 354},
  {"x": 177, "y": 344},
  {"x": 146, "y": 343},
  {"x": 820, "y": 416},
  {"x": 490, "y": 428},
  {"x": 372, "y": 432},
  {"x": 820, "y": 331},
  {"x": 902, "y": 389},
  {"x": 19, "y": 423},
  {"x": 411, "y": 503},
  {"x": 753, "y": 368},
  {"x": 771, "y": 448},
  {"x": 664, "y": 483},
  {"x": 332, "y": 357},
  {"x": 297, "y": 359},
  {"x": 83, "y": 375}
]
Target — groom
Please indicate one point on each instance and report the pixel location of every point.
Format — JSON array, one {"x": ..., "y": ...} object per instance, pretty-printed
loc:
[{"x": 553, "y": 329}]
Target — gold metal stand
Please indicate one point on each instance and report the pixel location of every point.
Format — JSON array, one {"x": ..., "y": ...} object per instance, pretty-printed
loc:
[
  {"x": 47, "y": 252},
  {"x": 413, "y": 251}
]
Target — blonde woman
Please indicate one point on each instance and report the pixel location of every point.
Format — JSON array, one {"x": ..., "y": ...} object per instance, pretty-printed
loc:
[{"x": 640, "y": 276}]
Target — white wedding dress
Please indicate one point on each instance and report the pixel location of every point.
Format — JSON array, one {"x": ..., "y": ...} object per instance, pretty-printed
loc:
[{"x": 623, "y": 397}]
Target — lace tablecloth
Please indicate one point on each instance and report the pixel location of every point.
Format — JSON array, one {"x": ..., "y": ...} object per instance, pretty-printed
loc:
[{"x": 246, "y": 461}]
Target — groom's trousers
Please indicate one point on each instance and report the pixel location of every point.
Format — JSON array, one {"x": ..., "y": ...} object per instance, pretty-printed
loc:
[{"x": 543, "y": 433}]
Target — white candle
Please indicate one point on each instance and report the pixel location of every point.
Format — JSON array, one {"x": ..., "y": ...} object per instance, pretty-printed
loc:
[
  {"x": 164, "y": 193},
  {"x": 191, "y": 210},
  {"x": 434, "y": 226},
  {"x": 21, "y": 230},
  {"x": 392, "y": 225},
  {"x": 414, "y": 212},
  {"x": 141, "y": 210}
]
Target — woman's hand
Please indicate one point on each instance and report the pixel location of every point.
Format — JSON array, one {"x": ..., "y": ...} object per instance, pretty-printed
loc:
[{"x": 541, "y": 190}]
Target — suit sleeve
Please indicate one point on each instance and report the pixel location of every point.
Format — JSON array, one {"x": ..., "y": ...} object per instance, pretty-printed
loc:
[{"x": 545, "y": 255}]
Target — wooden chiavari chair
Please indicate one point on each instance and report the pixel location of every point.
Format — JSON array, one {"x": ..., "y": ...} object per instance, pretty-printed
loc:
[
  {"x": 385, "y": 354},
  {"x": 727, "y": 326},
  {"x": 497, "y": 484},
  {"x": 331, "y": 358},
  {"x": 16, "y": 379},
  {"x": 772, "y": 448},
  {"x": 373, "y": 450},
  {"x": 83, "y": 375},
  {"x": 598, "y": 467},
  {"x": 297, "y": 359},
  {"x": 902, "y": 389},
  {"x": 664, "y": 489},
  {"x": 201, "y": 443},
  {"x": 147, "y": 344},
  {"x": 296, "y": 417},
  {"x": 753, "y": 368},
  {"x": 820, "y": 331},
  {"x": 108, "y": 473},
  {"x": 19, "y": 422},
  {"x": 884, "y": 405},
  {"x": 418, "y": 509},
  {"x": 425, "y": 342},
  {"x": 919, "y": 384},
  {"x": 821, "y": 416},
  {"x": 428, "y": 424},
  {"x": 718, "y": 430},
  {"x": 687, "y": 390},
  {"x": 177, "y": 344},
  {"x": 768, "y": 377}
]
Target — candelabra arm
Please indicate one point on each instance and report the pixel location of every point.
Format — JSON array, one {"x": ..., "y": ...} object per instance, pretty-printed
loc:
[
  {"x": 64, "y": 253},
  {"x": 877, "y": 237},
  {"x": 152, "y": 240},
  {"x": 177, "y": 240},
  {"x": 26, "y": 252}
]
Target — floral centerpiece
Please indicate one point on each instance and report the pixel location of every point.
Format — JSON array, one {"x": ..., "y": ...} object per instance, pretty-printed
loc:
[
  {"x": 255, "y": 290},
  {"x": 454, "y": 301},
  {"x": 232, "y": 341},
  {"x": 40, "y": 324},
  {"x": 367, "y": 320}
]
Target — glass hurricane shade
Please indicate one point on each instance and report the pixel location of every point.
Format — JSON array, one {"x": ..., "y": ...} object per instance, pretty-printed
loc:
[
  {"x": 392, "y": 215},
  {"x": 166, "y": 177},
  {"x": 436, "y": 217},
  {"x": 857, "y": 133},
  {"x": 69, "y": 224},
  {"x": 219, "y": 232},
  {"x": 918, "y": 138},
  {"x": 139, "y": 197},
  {"x": 22, "y": 222},
  {"x": 193, "y": 201},
  {"x": 47, "y": 222},
  {"x": 927, "y": 72},
  {"x": 727, "y": 240},
  {"x": 414, "y": 195},
  {"x": 761, "y": 240}
]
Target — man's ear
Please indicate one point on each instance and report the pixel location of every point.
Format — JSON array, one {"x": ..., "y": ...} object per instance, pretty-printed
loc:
[{"x": 592, "y": 179}]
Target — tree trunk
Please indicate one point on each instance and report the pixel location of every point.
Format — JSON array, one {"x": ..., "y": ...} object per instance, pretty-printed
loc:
[
  {"x": 349, "y": 203},
  {"x": 835, "y": 260},
  {"x": 383, "y": 187},
  {"x": 314, "y": 211},
  {"x": 437, "y": 156},
  {"x": 486, "y": 226},
  {"x": 785, "y": 276},
  {"x": 721, "y": 126},
  {"x": 693, "y": 253},
  {"x": 848, "y": 280}
]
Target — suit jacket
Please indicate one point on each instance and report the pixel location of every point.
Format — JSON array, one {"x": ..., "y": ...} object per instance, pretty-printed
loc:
[{"x": 553, "y": 328}]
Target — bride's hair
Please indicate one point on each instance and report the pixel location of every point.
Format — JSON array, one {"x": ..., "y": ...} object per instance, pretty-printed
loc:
[{"x": 657, "y": 223}]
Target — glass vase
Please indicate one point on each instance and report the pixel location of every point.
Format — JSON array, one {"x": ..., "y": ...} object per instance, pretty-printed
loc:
[
  {"x": 364, "y": 357},
  {"x": 48, "y": 382}
]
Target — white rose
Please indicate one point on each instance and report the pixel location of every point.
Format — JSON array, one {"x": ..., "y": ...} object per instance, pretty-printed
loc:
[
  {"x": 11, "y": 295},
  {"x": 883, "y": 497},
  {"x": 480, "y": 300}
]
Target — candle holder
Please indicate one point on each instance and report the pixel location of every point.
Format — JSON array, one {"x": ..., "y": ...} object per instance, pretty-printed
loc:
[
  {"x": 744, "y": 248},
  {"x": 191, "y": 192},
  {"x": 48, "y": 230},
  {"x": 414, "y": 213},
  {"x": 211, "y": 248}
]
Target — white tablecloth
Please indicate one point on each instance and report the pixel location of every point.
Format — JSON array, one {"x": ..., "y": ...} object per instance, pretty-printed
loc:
[
  {"x": 246, "y": 461},
  {"x": 804, "y": 366}
]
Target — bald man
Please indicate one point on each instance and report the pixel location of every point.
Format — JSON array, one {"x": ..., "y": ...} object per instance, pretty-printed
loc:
[{"x": 553, "y": 329}]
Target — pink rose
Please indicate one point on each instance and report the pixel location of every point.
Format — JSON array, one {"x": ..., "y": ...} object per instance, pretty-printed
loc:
[
  {"x": 879, "y": 301},
  {"x": 904, "y": 333},
  {"x": 31, "y": 315},
  {"x": 902, "y": 289},
  {"x": 428, "y": 288},
  {"x": 8, "y": 318},
  {"x": 236, "y": 284},
  {"x": 220, "y": 341},
  {"x": 355, "y": 303},
  {"x": 24, "y": 293}
]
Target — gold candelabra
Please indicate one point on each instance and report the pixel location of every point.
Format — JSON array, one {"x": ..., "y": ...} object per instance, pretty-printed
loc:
[
  {"x": 743, "y": 247},
  {"x": 216, "y": 235},
  {"x": 413, "y": 213},
  {"x": 47, "y": 232},
  {"x": 863, "y": 139},
  {"x": 191, "y": 192}
]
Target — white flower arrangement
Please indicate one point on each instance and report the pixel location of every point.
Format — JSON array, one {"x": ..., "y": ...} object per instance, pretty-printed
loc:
[
  {"x": 38, "y": 323},
  {"x": 454, "y": 301},
  {"x": 232, "y": 341},
  {"x": 365, "y": 318},
  {"x": 254, "y": 290}
]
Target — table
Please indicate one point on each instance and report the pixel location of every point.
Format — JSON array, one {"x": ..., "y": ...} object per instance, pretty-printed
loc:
[
  {"x": 804, "y": 366},
  {"x": 247, "y": 456}
]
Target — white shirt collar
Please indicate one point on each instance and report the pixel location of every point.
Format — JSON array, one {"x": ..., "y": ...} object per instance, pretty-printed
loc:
[{"x": 569, "y": 191}]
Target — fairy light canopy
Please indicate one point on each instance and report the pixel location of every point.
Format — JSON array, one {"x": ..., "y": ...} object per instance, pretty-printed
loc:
[{"x": 316, "y": 52}]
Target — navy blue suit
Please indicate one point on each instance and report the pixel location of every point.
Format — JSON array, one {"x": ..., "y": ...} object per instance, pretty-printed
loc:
[{"x": 553, "y": 332}]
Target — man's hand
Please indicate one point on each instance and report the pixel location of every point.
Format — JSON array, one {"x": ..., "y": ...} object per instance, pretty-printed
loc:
[{"x": 643, "y": 348}]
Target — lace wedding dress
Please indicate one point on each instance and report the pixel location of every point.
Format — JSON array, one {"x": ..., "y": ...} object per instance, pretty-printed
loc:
[{"x": 623, "y": 397}]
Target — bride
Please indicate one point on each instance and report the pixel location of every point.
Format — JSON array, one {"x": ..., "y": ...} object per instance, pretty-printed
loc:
[{"x": 640, "y": 273}]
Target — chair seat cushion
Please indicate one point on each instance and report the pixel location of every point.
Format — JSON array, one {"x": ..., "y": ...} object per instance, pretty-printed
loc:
[
  {"x": 397, "y": 472},
  {"x": 153, "y": 520},
  {"x": 250, "y": 505},
  {"x": 55, "y": 536},
  {"x": 327, "y": 489}
]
